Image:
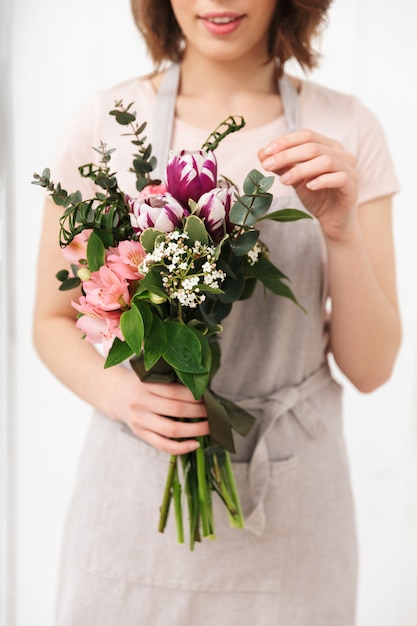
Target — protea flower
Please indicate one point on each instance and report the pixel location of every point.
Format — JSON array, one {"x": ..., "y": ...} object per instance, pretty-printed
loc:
[
  {"x": 214, "y": 207},
  {"x": 191, "y": 174},
  {"x": 160, "y": 211}
]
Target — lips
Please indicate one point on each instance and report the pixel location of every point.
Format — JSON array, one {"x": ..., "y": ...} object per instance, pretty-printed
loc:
[{"x": 221, "y": 23}]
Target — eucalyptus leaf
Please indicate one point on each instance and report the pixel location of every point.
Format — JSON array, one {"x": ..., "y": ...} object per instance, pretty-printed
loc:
[
  {"x": 240, "y": 213},
  {"x": 70, "y": 283},
  {"x": 62, "y": 275},
  {"x": 251, "y": 182}
]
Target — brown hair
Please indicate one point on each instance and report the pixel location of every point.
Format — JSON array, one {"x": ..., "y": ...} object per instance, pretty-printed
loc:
[{"x": 293, "y": 27}]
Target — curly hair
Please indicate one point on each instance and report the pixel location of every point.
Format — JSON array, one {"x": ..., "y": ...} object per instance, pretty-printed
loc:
[{"x": 293, "y": 27}]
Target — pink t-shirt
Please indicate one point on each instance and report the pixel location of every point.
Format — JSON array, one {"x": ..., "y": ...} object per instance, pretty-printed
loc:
[{"x": 333, "y": 114}]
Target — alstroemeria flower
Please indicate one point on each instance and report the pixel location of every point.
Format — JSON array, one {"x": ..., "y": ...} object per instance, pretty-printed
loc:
[
  {"x": 126, "y": 258},
  {"x": 106, "y": 290},
  {"x": 152, "y": 190},
  {"x": 97, "y": 325},
  {"x": 76, "y": 251},
  {"x": 214, "y": 207},
  {"x": 191, "y": 174},
  {"x": 161, "y": 211}
]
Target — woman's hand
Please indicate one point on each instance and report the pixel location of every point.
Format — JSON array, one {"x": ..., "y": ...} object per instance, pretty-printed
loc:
[
  {"x": 323, "y": 175},
  {"x": 148, "y": 409}
]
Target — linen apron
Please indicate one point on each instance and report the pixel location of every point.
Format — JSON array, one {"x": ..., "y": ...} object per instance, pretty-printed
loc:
[{"x": 295, "y": 562}]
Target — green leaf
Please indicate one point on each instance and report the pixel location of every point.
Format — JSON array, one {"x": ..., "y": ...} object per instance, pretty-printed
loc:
[
  {"x": 183, "y": 349},
  {"x": 287, "y": 215},
  {"x": 195, "y": 229},
  {"x": 161, "y": 372},
  {"x": 155, "y": 342},
  {"x": 153, "y": 283},
  {"x": 261, "y": 204},
  {"x": 249, "y": 288},
  {"x": 119, "y": 352},
  {"x": 145, "y": 310},
  {"x": 214, "y": 311},
  {"x": 148, "y": 237},
  {"x": 62, "y": 275},
  {"x": 272, "y": 278},
  {"x": 233, "y": 288},
  {"x": 250, "y": 184},
  {"x": 123, "y": 117},
  {"x": 245, "y": 242},
  {"x": 197, "y": 383},
  {"x": 70, "y": 283},
  {"x": 131, "y": 324},
  {"x": 240, "y": 213},
  {"x": 220, "y": 429},
  {"x": 95, "y": 252}
]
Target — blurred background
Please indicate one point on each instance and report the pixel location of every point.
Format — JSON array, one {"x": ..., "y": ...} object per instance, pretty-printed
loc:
[{"x": 53, "y": 54}]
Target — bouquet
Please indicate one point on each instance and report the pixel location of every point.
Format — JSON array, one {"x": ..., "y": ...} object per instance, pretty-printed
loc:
[{"x": 158, "y": 273}]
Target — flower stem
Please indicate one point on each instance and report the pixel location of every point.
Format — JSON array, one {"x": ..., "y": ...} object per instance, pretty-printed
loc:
[
  {"x": 166, "y": 501},
  {"x": 204, "y": 493},
  {"x": 176, "y": 491}
]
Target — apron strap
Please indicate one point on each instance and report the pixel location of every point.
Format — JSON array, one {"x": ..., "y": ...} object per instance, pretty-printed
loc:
[
  {"x": 164, "y": 118},
  {"x": 165, "y": 113}
]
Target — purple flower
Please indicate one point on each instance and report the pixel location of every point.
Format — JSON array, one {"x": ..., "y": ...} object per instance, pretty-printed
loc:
[
  {"x": 191, "y": 174},
  {"x": 214, "y": 207},
  {"x": 160, "y": 211}
]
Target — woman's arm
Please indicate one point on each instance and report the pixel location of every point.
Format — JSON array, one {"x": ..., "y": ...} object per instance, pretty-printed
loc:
[
  {"x": 365, "y": 323},
  {"x": 117, "y": 392}
]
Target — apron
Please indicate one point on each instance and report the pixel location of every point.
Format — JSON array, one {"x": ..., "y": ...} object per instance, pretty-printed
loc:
[{"x": 294, "y": 563}]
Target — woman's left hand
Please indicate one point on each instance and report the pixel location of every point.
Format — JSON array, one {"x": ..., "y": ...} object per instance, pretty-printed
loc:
[{"x": 323, "y": 175}]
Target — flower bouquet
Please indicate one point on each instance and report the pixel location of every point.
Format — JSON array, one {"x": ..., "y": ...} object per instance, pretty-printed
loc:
[{"x": 158, "y": 273}]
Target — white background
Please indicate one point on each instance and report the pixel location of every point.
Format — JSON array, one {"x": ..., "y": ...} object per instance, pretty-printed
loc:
[{"x": 54, "y": 54}]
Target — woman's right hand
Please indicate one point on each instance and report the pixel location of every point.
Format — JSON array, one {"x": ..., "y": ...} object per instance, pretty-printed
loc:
[{"x": 152, "y": 412}]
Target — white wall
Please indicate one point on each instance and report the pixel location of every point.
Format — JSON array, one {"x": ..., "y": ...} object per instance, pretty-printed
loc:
[{"x": 63, "y": 50}]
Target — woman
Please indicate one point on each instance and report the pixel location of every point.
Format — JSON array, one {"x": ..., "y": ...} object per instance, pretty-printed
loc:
[{"x": 295, "y": 562}]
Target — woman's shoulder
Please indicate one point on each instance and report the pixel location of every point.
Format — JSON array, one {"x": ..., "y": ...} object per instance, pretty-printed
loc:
[
  {"x": 321, "y": 98},
  {"x": 336, "y": 113},
  {"x": 137, "y": 90}
]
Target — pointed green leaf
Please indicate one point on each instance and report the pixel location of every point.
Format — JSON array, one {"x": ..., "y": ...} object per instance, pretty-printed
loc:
[
  {"x": 183, "y": 349},
  {"x": 131, "y": 324},
  {"x": 95, "y": 252},
  {"x": 119, "y": 352},
  {"x": 155, "y": 342},
  {"x": 245, "y": 242},
  {"x": 153, "y": 283},
  {"x": 287, "y": 215}
]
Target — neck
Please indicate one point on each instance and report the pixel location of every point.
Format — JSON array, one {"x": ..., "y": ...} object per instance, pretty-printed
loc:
[{"x": 210, "y": 77}]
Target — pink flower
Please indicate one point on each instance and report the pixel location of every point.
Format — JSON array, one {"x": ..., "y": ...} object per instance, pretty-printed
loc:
[
  {"x": 152, "y": 190},
  {"x": 214, "y": 207},
  {"x": 97, "y": 325},
  {"x": 191, "y": 174},
  {"x": 77, "y": 249},
  {"x": 162, "y": 212},
  {"x": 125, "y": 259},
  {"x": 106, "y": 290}
]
